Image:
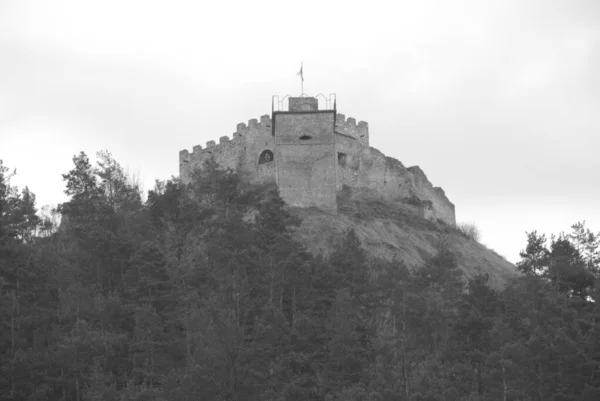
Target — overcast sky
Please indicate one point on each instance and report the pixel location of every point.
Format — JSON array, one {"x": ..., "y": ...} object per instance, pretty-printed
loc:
[{"x": 497, "y": 101}]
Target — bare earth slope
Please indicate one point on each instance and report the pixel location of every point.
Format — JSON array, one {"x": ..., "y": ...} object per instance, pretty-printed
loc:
[{"x": 389, "y": 229}]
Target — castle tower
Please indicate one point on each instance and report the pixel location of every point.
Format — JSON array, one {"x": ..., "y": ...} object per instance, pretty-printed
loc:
[{"x": 306, "y": 162}]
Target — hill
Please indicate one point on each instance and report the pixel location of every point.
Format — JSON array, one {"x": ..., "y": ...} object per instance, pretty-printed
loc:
[
  {"x": 391, "y": 230},
  {"x": 206, "y": 291}
]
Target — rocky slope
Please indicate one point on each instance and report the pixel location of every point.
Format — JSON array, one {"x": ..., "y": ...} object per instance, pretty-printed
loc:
[{"x": 394, "y": 229}]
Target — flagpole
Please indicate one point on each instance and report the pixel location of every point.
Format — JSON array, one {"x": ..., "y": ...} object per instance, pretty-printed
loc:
[{"x": 301, "y": 78}]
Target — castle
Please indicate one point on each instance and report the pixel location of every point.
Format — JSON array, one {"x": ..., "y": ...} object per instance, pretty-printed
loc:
[{"x": 311, "y": 153}]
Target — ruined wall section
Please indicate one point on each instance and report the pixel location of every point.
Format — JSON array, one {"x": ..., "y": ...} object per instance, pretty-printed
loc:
[
  {"x": 377, "y": 172},
  {"x": 367, "y": 167},
  {"x": 444, "y": 209},
  {"x": 240, "y": 153},
  {"x": 350, "y": 128}
]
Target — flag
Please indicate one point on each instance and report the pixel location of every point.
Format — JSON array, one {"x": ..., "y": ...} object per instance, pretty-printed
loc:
[{"x": 300, "y": 72}]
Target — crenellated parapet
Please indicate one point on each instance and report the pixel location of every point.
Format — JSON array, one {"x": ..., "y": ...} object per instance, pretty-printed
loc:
[
  {"x": 229, "y": 152},
  {"x": 255, "y": 127},
  {"x": 349, "y": 127}
]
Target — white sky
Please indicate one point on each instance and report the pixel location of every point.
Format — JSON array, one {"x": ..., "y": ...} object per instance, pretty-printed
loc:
[{"x": 497, "y": 101}]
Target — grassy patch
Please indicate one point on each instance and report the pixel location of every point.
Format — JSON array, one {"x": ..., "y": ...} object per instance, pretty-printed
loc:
[{"x": 469, "y": 231}]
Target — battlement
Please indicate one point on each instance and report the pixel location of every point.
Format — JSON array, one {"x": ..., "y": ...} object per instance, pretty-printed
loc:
[
  {"x": 255, "y": 127},
  {"x": 349, "y": 127}
]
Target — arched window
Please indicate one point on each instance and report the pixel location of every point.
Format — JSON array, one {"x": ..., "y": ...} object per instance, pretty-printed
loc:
[{"x": 265, "y": 157}]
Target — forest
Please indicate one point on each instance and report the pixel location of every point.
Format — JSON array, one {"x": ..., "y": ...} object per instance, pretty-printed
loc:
[{"x": 199, "y": 291}]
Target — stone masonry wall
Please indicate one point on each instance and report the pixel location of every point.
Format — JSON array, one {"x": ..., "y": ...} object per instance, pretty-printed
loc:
[
  {"x": 240, "y": 153},
  {"x": 349, "y": 127},
  {"x": 351, "y": 162},
  {"x": 306, "y": 161},
  {"x": 444, "y": 209},
  {"x": 303, "y": 104},
  {"x": 388, "y": 177}
]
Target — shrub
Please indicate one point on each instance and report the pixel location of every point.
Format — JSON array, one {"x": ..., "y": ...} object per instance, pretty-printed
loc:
[{"x": 469, "y": 230}]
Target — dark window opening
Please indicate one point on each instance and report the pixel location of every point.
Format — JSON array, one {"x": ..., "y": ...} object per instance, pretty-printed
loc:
[
  {"x": 305, "y": 137},
  {"x": 342, "y": 159},
  {"x": 265, "y": 157}
]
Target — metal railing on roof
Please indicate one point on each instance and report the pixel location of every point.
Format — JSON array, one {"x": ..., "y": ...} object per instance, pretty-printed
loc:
[{"x": 325, "y": 102}]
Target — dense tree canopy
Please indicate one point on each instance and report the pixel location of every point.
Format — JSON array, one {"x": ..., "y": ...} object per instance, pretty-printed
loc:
[{"x": 201, "y": 292}]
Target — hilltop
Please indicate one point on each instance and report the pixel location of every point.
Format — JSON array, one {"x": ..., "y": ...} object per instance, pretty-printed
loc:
[{"x": 322, "y": 166}]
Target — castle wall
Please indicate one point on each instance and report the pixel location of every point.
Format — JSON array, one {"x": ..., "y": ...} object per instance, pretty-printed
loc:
[
  {"x": 306, "y": 176},
  {"x": 240, "y": 153},
  {"x": 350, "y": 128},
  {"x": 310, "y": 171},
  {"x": 388, "y": 177},
  {"x": 317, "y": 128},
  {"x": 379, "y": 173},
  {"x": 303, "y": 104},
  {"x": 443, "y": 208},
  {"x": 306, "y": 159}
]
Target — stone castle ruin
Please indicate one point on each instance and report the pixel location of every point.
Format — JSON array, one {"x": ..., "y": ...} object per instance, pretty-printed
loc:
[{"x": 311, "y": 154}]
